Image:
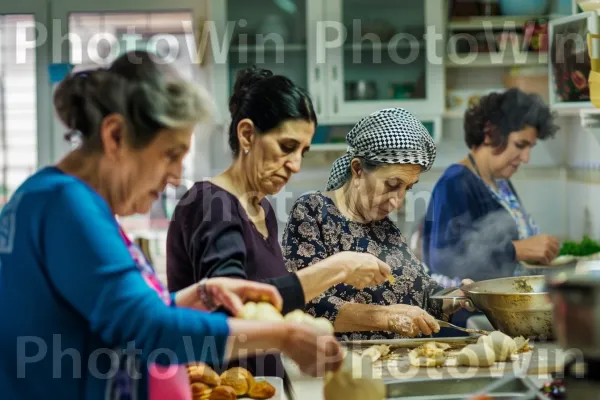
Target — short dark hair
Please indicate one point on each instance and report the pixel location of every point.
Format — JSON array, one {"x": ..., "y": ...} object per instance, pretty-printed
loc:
[
  {"x": 499, "y": 114},
  {"x": 149, "y": 94},
  {"x": 268, "y": 100}
]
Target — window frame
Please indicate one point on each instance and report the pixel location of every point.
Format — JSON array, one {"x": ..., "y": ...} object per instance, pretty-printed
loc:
[
  {"x": 60, "y": 11},
  {"x": 39, "y": 10}
]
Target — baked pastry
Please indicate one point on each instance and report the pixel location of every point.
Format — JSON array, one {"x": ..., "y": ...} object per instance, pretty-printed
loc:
[
  {"x": 223, "y": 393},
  {"x": 261, "y": 390},
  {"x": 240, "y": 379},
  {"x": 204, "y": 374},
  {"x": 200, "y": 391}
]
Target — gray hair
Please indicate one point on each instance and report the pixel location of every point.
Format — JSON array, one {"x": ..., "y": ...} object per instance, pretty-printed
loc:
[
  {"x": 149, "y": 95},
  {"x": 370, "y": 166}
]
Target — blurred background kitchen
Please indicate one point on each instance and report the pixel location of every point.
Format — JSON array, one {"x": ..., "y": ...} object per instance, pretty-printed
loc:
[{"x": 386, "y": 60}]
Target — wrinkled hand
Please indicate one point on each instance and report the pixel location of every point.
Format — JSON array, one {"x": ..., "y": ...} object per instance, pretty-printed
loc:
[
  {"x": 229, "y": 293},
  {"x": 313, "y": 353},
  {"x": 362, "y": 269},
  {"x": 451, "y": 306},
  {"x": 540, "y": 249},
  {"x": 410, "y": 321}
]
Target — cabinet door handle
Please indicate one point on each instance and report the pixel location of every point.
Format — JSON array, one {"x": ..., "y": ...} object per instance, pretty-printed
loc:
[
  {"x": 335, "y": 105},
  {"x": 317, "y": 74},
  {"x": 334, "y": 73},
  {"x": 318, "y": 105}
]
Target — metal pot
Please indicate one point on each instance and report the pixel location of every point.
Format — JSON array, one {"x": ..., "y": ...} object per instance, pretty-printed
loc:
[
  {"x": 517, "y": 306},
  {"x": 575, "y": 297}
]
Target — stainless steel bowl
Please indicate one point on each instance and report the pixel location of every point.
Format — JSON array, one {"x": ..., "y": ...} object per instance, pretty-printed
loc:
[{"x": 517, "y": 306}]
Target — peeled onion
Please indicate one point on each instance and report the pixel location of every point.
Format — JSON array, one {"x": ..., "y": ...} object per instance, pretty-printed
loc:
[
  {"x": 260, "y": 312},
  {"x": 268, "y": 312},
  {"x": 504, "y": 346},
  {"x": 297, "y": 316},
  {"x": 476, "y": 355},
  {"x": 323, "y": 326},
  {"x": 248, "y": 311}
]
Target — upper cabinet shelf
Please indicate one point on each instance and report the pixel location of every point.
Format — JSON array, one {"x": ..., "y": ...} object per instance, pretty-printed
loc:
[
  {"x": 353, "y": 56},
  {"x": 496, "y": 22},
  {"x": 359, "y": 56},
  {"x": 270, "y": 48},
  {"x": 497, "y": 60}
]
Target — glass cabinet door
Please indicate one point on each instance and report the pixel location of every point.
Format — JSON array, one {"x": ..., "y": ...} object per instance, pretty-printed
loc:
[
  {"x": 270, "y": 34},
  {"x": 385, "y": 59}
]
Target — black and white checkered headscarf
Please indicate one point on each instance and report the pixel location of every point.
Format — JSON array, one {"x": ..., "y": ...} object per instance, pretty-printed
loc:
[{"x": 392, "y": 136}]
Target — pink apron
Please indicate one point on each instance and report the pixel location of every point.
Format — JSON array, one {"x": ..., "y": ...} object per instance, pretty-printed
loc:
[{"x": 170, "y": 382}]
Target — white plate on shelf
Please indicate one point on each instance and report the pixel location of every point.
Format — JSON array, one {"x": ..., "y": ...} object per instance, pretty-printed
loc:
[{"x": 276, "y": 382}]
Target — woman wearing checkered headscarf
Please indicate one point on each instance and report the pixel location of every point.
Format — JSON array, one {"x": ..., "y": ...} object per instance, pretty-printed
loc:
[
  {"x": 389, "y": 136},
  {"x": 387, "y": 151}
]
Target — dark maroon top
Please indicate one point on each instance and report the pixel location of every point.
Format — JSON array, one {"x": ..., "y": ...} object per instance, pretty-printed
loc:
[{"x": 210, "y": 235}]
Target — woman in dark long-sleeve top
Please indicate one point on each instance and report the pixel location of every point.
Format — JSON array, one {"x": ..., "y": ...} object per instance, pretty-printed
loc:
[{"x": 226, "y": 227}]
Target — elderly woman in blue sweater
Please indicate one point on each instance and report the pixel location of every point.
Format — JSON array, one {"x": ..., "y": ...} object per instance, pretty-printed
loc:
[
  {"x": 84, "y": 315},
  {"x": 476, "y": 225}
]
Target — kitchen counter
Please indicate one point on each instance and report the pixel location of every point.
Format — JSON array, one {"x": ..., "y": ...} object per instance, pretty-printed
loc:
[{"x": 539, "y": 364}]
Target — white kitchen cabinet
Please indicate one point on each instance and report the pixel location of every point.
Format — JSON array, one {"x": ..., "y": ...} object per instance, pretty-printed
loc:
[
  {"x": 309, "y": 41},
  {"x": 383, "y": 57},
  {"x": 278, "y": 35},
  {"x": 98, "y": 41}
]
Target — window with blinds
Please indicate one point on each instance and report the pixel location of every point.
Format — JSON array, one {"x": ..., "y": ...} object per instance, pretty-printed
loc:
[
  {"x": 96, "y": 39},
  {"x": 18, "y": 104}
]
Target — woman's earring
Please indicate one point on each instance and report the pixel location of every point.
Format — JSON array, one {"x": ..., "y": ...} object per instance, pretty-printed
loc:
[{"x": 245, "y": 151}]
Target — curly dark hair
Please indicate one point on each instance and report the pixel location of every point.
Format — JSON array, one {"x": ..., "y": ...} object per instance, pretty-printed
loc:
[{"x": 499, "y": 114}]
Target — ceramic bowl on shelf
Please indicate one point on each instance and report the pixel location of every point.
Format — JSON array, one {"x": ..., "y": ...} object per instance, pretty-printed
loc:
[{"x": 523, "y": 7}]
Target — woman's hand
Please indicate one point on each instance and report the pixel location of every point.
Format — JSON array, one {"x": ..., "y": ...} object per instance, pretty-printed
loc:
[
  {"x": 450, "y": 306},
  {"x": 361, "y": 269},
  {"x": 410, "y": 321},
  {"x": 539, "y": 249},
  {"x": 313, "y": 353},
  {"x": 229, "y": 293}
]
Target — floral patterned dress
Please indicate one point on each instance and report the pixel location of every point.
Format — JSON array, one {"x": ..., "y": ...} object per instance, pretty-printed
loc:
[{"x": 316, "y": 229}]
